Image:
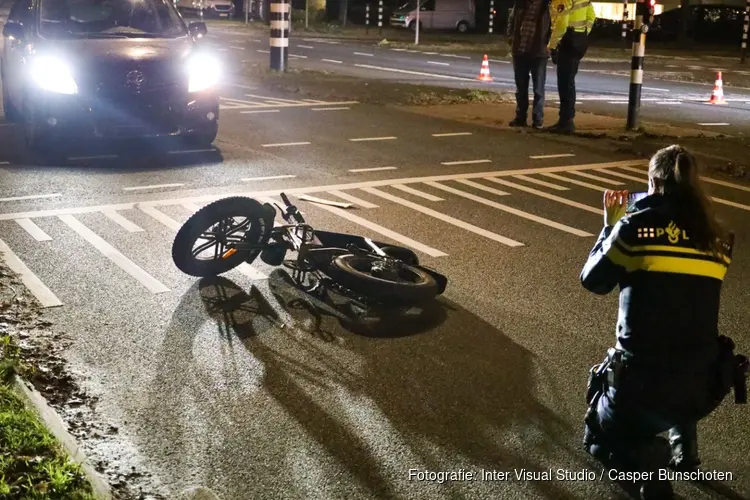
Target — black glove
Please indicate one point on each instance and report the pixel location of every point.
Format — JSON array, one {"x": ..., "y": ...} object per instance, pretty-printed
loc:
[{"x": 553, "y": 55}]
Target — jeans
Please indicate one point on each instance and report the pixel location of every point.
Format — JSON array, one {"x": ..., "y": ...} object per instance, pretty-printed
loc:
[{"x": 536, "y": 67}]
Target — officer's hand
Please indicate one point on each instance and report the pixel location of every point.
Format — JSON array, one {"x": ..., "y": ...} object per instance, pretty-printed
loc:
[
  {"x": 615, "y": 203},
  {"x": 553, "y": 55}
]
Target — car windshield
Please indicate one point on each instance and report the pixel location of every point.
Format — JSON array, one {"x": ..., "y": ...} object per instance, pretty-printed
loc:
[{"x": 109, "y": 19}]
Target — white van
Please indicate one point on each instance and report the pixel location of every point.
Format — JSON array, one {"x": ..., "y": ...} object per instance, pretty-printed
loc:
[{"x": 459, "y": 15}]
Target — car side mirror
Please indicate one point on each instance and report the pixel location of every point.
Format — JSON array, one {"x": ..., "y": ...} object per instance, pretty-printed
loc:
[
  {"x": 14, "y": 30},
  {"x": 198, "y": 29}
]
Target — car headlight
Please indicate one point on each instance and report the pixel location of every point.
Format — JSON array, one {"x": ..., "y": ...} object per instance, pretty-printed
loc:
[
  {"x": 204, "y": 72},
  {"x": 53, "y": 75}
]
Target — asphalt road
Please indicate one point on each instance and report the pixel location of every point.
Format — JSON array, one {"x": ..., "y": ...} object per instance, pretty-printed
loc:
[
  {"x": 267, "y": 397},
  {"x": 602, "y": 87}
]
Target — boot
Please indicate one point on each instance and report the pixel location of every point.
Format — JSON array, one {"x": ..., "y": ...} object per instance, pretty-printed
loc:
[
  {"x": 519, "y": 122},
  {"x": 563, "y": 127},
  {"x": 683, "y": 439}
]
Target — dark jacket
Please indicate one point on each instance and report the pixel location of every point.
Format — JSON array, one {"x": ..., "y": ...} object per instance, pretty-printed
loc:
[
  {"x": 541, "y": 34},
  {"x": 669, "y": 290}
]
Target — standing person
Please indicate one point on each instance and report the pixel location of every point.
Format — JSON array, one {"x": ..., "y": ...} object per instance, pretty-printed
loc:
[
  {"x": 572, "y": 21},
  {"x": 670, "y": 367},
  {"x": 528, "y": 35}
]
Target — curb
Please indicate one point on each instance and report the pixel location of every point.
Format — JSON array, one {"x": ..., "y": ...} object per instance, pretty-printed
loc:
[{"x": 56, "y": 426}]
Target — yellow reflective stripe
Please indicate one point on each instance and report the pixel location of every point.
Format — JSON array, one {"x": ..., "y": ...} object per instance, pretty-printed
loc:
[
  {"x": 577, "y": 24},
  {"x": 665, "y": 264},
  {"x": 666, "y": 248}
]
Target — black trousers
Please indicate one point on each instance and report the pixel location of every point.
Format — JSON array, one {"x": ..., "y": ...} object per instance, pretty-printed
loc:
[
  {"x": 536, "y": 67},
  {"x": 573, "y": 47}
]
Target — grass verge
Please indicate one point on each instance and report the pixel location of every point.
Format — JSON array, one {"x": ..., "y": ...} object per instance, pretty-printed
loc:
[{"x": 32, "y": 462}]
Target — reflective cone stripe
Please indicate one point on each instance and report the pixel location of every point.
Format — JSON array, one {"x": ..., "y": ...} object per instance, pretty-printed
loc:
[
  {"x": 717, "y": 97},
  {"x": 484, "y": 73}
]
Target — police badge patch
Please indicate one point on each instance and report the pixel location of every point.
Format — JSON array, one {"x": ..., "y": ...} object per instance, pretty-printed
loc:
[{"x": 560, "y": 8}]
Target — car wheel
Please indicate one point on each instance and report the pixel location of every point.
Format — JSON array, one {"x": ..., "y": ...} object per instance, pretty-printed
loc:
[
  {"x": 205, "y": 138},
  {"x": 413, "y": 26},
  {"x": 463, "y": 27}
]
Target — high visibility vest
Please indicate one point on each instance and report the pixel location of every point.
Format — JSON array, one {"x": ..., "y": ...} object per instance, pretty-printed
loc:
[{"x": 575, "y": 14}]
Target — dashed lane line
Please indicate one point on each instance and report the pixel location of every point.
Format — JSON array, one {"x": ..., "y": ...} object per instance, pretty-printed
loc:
[
  {"x": 547, "y": 157},
  {"x": 364, "y": 54},
  {"x": 511, "y": 210},
  {"x": 114, "y": 255},
  {"x": 284, "y": 144},
  {"x": 31, "y": 197},
  {"x": 255, "y": 111},
  {"x": 501, "y": 61},
  {"x": 417, "y": 73},
  {"x": 366, "y": 139},
  {"x": 43, "y": 294},
  {"x": 331, "y": 109},
  {"x": 332, "y": 61},
  {"x": 374, "y": 169},
  {"x": 305, "y": 46},
  {"x": 439, "y": 63},
  {"x": 153, "y": 186},
  {"x": 445, "y": 218},
  {"x": 264, "y": 51},
  {"x": 464, "y": 162},
  {"x": 713, "y": 124},
  {"x": 267, "y": 178},
  {"x": 451, "y": 134},
  {"x": 455, "y": 56},
  {"x": 297, "y": 56},
  {"x": 236, "y": 48}
]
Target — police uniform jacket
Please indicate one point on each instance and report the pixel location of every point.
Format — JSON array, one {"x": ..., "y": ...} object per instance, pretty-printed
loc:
[
  {"x": 669, "y": 290},
  {"x": 576, "y": 15}
]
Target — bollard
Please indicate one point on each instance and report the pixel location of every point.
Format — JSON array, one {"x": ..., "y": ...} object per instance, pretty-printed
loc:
[
  {"x": 367, "y": 18},
  {"x": 492, "y": 15},
  {"x": 643, "y": 12},
  {"x": 380, "y": 17},
  {"x": 279, "y": 34},
  {"x": 745, "y": 29}
]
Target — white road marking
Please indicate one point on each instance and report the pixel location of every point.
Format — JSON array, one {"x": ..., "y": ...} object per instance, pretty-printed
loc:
[
  {"x": 127, "y": 265},
  {"x": 363, "y": 54},
  {"x": 577, "y": 183},
  {"x": 430, "y": 53},
  {"x": 418, "y": 73},
  {"x": 546, "y": 157},
  {"x": 191, "y": 207},
  {"x": 445, "y": 218},
  {"x": 511, "y": 210},
  {"x": 43, "y": 294},
  {"x": 118, "y": 219},
  {"x": 353, "y": 199},
  {"x": 730, "y": 203},
  {"x": 263, "y": 51},
  {"x": 31, "y": 197},
  {"x": 282, "y": 144},
  {"x": 236, "y": 48},
  {"x": 260, "y": 111},
  {"x": 655, "y": 89},
  {"x": 364, "y": 139},
  {"x": 190, "y": 151},
  {"x": 542, "y": 194},
  {"x": 248, "y": 87},
  {"x": 541, "y": 183},
  {"x": 305, "y": 46},
  {"x": 714, "y": 124},
  {"x": 451, "y": 134},
  {"x": 482, "y": 187},
  {"x": 416, "y": 192},
  {"x": 374, "y": 169},
  {"x": 297, "y": 56},
  {"x": 626, "y": 176},
  {"x": 153, "y": 186},
  {"x": 499, "y": 61},
  {"x": 319, "y": 189},
  {"x": 455, "y": 56},
  {"x": 277, "y": 99},
  {"x": 464, "y": 162},
  {"x": 257, "y": 41},
  {"x": 667, "y": 103},
  {"x": 4, "y": 162},
  {"x": 617, "y": 102},
  {"x": 332, "y": 61},
  {"x": 597, "y": 178},
  {"x": 160, "y": 216},
  {"x": 439, "y": 63},
  {"x": 34, "y": 231},
  {"x": 404, "y": 240},
  {"x": 725, "y": 184},
  {"x": 330, "y": 109},
  {"x": 267, "y": 178}
]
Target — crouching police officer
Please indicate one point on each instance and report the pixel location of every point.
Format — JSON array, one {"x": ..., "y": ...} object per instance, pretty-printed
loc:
[
  {"x": 670, "y": 367},
  {"x": 572, "y": 21}
]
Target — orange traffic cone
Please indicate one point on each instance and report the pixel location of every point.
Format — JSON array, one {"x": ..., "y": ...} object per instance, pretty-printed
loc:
[
  {"x": 484, "y": 73},
  {"x": 718, "y": 95}
]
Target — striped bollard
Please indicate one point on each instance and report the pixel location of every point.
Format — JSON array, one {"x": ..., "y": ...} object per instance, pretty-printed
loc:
[
  {"x": 279, "y": 34},
  {"x": 367, "y": 18},
  {"x": 380, "y": 17},
  {"x": 636, "y": 67},
  {"x": 492, "y": 15},
  {"x": 625, "y": 19},
  {"x": 745, "y": 30}
]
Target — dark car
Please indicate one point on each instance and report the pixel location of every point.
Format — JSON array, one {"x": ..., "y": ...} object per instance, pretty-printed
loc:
[{"x": 107, "y": 69}]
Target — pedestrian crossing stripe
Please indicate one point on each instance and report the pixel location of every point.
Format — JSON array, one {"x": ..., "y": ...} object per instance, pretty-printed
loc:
[
  {"x": 445, "y": 183},
  {"x": 262, "y": 102}
]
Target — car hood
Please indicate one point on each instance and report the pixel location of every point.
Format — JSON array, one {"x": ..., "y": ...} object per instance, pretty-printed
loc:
[{"x": 101, "y": 64}]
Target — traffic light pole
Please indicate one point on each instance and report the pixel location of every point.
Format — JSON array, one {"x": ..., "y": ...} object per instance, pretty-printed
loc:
[{"x": 642, "y": 21}]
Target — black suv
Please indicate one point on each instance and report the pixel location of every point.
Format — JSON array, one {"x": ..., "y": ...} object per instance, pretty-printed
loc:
[{"x": 109, "y": 69}]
